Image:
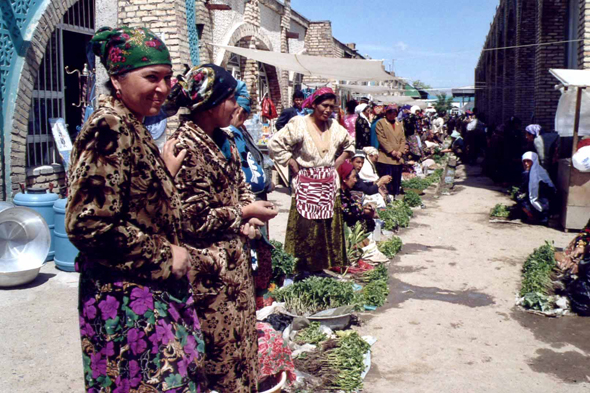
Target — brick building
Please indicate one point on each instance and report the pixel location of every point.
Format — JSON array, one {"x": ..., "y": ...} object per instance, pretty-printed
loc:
[
  {"x": 39, "y": 38},
  {"x": 515, "y": 81}
]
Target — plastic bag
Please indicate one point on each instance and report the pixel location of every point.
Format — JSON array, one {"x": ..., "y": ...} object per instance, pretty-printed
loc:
[
  {"x": 268, "y": 109},
  {"x": 579, "y": 290},
  {"x": 581, "y": 159}
]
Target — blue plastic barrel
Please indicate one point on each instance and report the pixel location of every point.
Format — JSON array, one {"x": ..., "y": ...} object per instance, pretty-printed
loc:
[
  {"x": 65, "y": 252},
  {"x": 41, "y": 201}
]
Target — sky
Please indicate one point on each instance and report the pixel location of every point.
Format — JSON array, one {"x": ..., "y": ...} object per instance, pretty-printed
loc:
[{"x": 435, "y": 41}]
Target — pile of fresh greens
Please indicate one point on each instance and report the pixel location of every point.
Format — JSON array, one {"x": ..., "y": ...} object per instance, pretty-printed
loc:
[
  {"x": 283, "y": 263},
  {"x": 536, "y": 277},
  {"x": 376, "y": 290},
  {"x": 391, "y": 247},
  {"x": 315, "y": 294},
  {"x": 412, "y": 199},
  {"x": 396, "y": 215},
  {"x": 418, "y": 183},
  {"x": 354, "y": 237},
  {"x": 514, "y": 193},
  {"x": 310, "y": 335},
  {"x": 347, "y": 359},
  {"x": 501, "y": 211}
]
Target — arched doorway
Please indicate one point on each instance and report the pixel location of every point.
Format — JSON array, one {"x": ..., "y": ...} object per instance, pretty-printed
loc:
[{"x": 56, "y": 93}]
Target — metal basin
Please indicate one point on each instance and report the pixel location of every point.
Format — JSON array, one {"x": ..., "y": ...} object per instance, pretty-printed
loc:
[{"x": 24, "y": 244}]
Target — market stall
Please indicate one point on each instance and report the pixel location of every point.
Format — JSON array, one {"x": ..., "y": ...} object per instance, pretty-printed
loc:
[{"x": 573, "y": 120}]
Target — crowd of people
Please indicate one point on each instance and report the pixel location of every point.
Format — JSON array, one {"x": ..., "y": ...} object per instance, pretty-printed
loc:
[{"x": 173, "y": 237}]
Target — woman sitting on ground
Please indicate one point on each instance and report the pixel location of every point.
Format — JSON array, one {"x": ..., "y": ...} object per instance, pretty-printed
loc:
[
  {"x": 353, "y": 210},
  {"x": 371, "y": 190},
  {"x": 536, "y": 190},
  {"x": 457, "y": 146}
]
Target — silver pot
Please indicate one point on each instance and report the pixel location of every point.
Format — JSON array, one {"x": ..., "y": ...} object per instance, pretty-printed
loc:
[{"x": 24, "y": 244}]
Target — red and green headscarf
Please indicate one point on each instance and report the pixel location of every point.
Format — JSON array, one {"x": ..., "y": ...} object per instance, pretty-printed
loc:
[{"x": 127, "y": 48}]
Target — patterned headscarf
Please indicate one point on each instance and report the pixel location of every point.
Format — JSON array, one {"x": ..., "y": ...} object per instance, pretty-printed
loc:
[
  {"x": 533, "y": 129},
  {"x": 243, "y": 97},
  {"x": 206, "y": 87},
  {"x": 126, "y": 48},
  {"x": 319, "y": 92}
]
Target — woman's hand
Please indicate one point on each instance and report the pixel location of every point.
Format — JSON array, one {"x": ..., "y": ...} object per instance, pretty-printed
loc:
[
  {"x": 263, "y": 210},
  {"x": 341, "y": 159},
  {"x": 384, "y": 180},
  {"x": 180, "y": 261},
  {"x": 173, "y": 163},
  {"x": 250, "y": 228},
  {"x": 294, "y": 167}
]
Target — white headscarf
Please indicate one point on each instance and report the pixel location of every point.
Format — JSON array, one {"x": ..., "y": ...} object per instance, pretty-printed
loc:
[
  {"x": 455, "y": 134},
  {"x": 533, "y": 129},
  {"x": 370, "y": 151},
  {"x": 537, "y": 174},
  {"x": 360, "y": 108}
]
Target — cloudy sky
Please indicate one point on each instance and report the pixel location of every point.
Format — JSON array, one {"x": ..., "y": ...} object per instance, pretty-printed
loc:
[{"x": 436, "y": 41}]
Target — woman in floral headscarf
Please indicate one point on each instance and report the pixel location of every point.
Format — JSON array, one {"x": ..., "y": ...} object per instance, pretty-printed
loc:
[
  {"x": 314, "y": 146},
  {"x": 140, "y": 332},
  {"x": 219, "y": 211}
]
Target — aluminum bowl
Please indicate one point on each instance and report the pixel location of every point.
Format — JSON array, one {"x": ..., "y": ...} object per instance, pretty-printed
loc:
[{"x": 24, "y": 244}]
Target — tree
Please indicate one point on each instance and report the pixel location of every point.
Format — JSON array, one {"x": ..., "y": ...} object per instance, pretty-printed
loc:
[
  {"x": 443, "y": 103},
  {"x": 419, "y": 85}
]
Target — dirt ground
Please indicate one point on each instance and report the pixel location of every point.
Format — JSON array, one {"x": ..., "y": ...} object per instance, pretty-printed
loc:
[{"x": 450, "y": 324}]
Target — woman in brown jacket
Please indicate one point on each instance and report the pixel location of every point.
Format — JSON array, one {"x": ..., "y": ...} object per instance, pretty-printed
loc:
[{"x": 392, "y": 144}]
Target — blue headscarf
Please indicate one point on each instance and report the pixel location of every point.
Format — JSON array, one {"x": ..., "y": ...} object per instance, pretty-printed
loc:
[{"x": 243, "y": 97}]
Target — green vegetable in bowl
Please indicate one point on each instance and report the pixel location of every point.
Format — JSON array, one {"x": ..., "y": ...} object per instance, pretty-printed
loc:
[{"x": 310, "y": 335}]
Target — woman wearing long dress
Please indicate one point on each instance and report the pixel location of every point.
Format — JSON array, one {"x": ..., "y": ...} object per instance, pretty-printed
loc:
[
  {"x": 314, "y": 146},
  {"x": 218, "y": 210},
  {"x": 139, "y": 330}
]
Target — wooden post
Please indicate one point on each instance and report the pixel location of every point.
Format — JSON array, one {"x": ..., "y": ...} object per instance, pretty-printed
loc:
[{"x": 577, "y": 119}]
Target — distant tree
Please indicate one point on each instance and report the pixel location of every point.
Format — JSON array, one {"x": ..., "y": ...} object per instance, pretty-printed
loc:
[
  {"x": 419, "y": 85},
  {"x": 443, "y": 103}
]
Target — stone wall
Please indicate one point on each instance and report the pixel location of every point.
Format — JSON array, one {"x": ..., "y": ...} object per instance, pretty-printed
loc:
[
  {"x": 319, "y": 42},
  {"x": 516, "y": 81}
]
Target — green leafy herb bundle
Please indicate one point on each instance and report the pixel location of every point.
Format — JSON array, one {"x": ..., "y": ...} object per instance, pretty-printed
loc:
[
  {"x": 501, "y": 211},
  {"x": 537, "y": 271},
  {"x": 354, "y": 237},
  {"x": 396, "y": 215},
  {"x": 283, "y": 263},
  {"x": 376, "y": 290},
  {"x": 391, "y": 246},
  {"x": 310, "y": 335},
  {"x": 416, "y": 183},
  {"x": 412, "y": 199},
  {"x": 347, "y": 359},
  {"x": 315, "y": 294}
]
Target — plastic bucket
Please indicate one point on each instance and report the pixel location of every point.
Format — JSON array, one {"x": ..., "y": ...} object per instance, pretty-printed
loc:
[{"x": 65, "y": 252}]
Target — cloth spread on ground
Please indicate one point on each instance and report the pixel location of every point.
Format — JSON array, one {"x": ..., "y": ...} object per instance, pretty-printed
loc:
[{"x": 274, "y": 355}]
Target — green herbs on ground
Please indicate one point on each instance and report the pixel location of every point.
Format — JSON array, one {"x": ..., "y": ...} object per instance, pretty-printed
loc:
[
  {"x": 283, "y": 263},
  {"x": 537, "y": 285},
  {"x": 315, "y": 294},
  {"x": 412, "y": 199},
  {"x": 354, "y": 238},
  {"x": 376, "y": 289},
  {"x": 500, "y": 211},
  {"x": 396, "y": 215},
  {"x": 391, "y": 247},
  {"x": 310, "y": 335},
  {"x": 347, "y": 360}
]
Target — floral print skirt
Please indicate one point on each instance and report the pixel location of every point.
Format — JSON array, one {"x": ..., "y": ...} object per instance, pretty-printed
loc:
[{"x": 137, "y": 338}]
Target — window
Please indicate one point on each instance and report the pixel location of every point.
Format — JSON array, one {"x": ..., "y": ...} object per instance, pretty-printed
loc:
[
  {"x": 262, "y": 81},
  {"x": 55, "y": 93},
  {"x": 233, "y": 65}
]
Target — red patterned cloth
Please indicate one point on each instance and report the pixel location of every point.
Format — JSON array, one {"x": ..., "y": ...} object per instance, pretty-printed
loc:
[
  {"x": 274, "y": 355},
  {"x": 315, "y": 192}
]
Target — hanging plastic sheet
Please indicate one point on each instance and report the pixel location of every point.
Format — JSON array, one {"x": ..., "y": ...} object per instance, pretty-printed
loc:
[{"x": 566, "y": 111}]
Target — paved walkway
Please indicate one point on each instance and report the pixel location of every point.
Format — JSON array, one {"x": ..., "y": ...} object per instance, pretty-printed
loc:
[{"x": 450, "y": 324}]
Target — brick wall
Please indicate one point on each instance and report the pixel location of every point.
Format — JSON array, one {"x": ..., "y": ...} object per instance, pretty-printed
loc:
[
  {"x": 517, "y": 81},
  {"x": 319, "y": 42}
]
